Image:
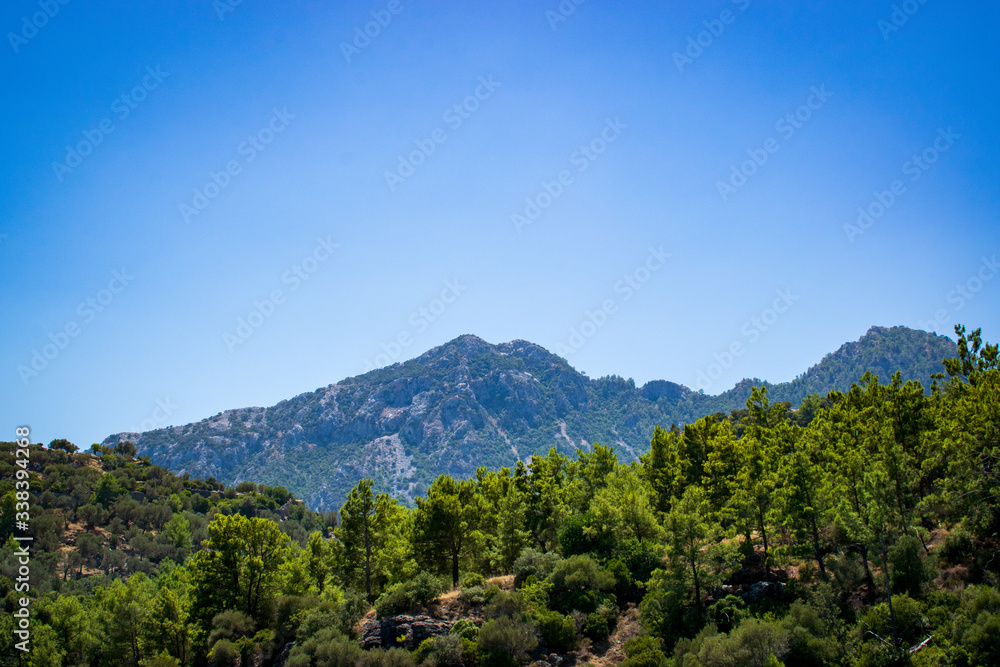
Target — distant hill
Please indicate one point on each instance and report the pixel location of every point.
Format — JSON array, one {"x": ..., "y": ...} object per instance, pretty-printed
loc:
[{"x": 468, "y": 403}]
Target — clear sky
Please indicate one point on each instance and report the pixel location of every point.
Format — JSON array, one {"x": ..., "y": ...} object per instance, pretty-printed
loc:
[{"x": 218, "y": 205}]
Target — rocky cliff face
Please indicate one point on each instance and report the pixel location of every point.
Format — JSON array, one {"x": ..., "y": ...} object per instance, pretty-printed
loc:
[{"x": 467, "y": 404}]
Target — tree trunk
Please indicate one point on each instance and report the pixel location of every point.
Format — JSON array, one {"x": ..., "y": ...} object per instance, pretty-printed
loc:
[
  {"x": 368, "y": 571},
  {"x": 819, "y": 556},
  {"x": 697, "y": 584},
  {"x": 763, "y": 536},
  {"x": 899, "y": 500},
  {"x": 922, "y": 543},
  {"x": 863, "y": 551},
  {"x": 888, "y": 591}
]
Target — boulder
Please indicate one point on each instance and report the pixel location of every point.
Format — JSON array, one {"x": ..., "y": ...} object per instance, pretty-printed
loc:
[{"x": 387, "y": 632}]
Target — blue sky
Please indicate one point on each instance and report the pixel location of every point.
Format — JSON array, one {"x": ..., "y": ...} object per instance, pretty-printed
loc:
[{"x": 208, "y": 206}]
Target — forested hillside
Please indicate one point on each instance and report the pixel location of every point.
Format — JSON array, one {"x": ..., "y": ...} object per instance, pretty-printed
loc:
[
  {"x": 468, "y": 404},
  {"x": 860, "y": 530}
]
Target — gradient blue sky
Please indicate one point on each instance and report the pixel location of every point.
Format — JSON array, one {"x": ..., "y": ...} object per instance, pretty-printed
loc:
[{"x": 160, "y": 341}]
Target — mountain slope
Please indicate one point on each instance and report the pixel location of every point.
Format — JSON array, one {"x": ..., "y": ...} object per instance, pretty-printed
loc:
[{"x": 469, "y": 403}]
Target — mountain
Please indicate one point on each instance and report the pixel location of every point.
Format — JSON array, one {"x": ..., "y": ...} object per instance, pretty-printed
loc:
[{"x": 468, "y": 403}]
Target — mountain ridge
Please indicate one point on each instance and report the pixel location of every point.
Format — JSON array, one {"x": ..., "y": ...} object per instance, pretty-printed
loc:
[{"x": 469, "y": 403}]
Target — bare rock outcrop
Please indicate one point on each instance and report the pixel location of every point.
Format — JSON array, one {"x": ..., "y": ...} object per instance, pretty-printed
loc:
[{"x": 387, "y": 632}]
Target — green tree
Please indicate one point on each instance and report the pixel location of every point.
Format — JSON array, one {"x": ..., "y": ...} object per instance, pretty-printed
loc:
[
  {"x": 766, "y": 439},
  {"x": 63, "y": 445},
  {"x": 547, "y": 499},
  {"x": 178, "y": 530},
  {"x": 166, "y": 627},
  {"x": 695, "y": 541},
  {"x": 806, "y": 497},
  {"x": 318, "y": 556},
  {"x": 665, "y": 466},
  {"x": 722, "y": 466},
  {"x": 504, "y": 509},
  {"x": 623, "y": 508},
  {"x": 370, "y": 529},
  {"x": 588, "y": 474},
  {"x": 964, "y": 445},
  {"x": 443, "y": 522},
  {"x": 108, "y": 490},
  {"x": 238, "y": 565},
  {"x": 7, "y": 513}
]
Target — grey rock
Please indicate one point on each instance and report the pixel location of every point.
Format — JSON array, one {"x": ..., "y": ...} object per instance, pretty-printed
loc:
[{"x": 386, "y": 632}]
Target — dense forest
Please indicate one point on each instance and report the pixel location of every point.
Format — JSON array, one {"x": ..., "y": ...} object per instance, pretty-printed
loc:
[{"x": 859, "y": 529}]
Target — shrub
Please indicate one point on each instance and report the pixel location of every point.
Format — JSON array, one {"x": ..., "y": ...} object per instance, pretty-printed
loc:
[
  {"x": 473, "y": 579},
  {"x": 558, "y": 631},
  {"x": 491, "y": 592},
  {"x": 579, "y": 583},
  {"x": 465, "y": 629},
  {"x": 847, "y": 571},
  {"x": 504, "y": 603},
  {"x": 406, "y": 596},
  {"x": 978, "y": 599},
  {"x": 597, "y": 627},
  {"x": 534, "y": 563},
  {"x": 340, "y": 614},
  {"x": 644, "y": 651},
  {"x": 624, "y": 583},
  {"x": 472, "y": 595},
  {"x": 909, "y": 619},
  {"x": 329, "y": 648},
  {"x": 394, "y": 657},
  {"x": 505, "y": 642},
  {"x": 443, "y": 651},
  {"x": 162, "y": 659},
  {"x": 810, "y": 640},
  {"x": 665, "y": 611},
  {"x": 289, "y": 612},
  {"x": 981, "y": 639},
  {"x": 223, "y": 654},
  {"x": 958, "y": 546},
  {"x": 909, "y": 566},
  {"x": 758, "y": 640},
  {"x": 728, "y": 612},
  {"x": 230, "y": 624},
  {"x": 470, "y": 653},
  {"x": 641, "y": 558}
]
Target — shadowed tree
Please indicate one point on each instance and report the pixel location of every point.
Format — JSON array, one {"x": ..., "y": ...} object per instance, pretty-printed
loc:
[
  {"x": 370, "y": 524},
  {"x": 443, "y": 523}
]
